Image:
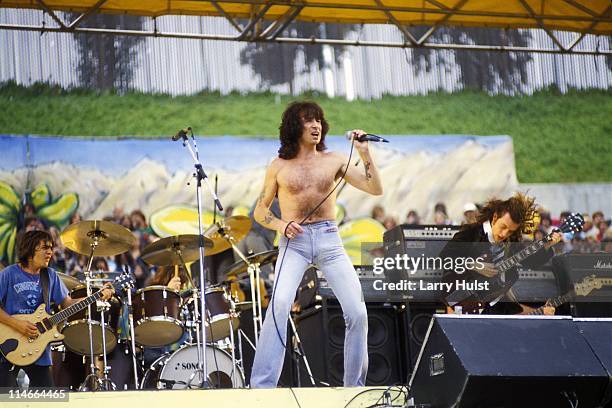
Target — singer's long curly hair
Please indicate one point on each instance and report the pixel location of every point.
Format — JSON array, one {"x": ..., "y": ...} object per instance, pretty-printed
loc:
[
  {"x": 519, "y": 206},
  {"x": 292, "y": 124}
]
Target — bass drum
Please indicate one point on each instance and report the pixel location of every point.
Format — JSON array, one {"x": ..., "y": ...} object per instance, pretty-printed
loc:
[{"x": 173, "y": 371}]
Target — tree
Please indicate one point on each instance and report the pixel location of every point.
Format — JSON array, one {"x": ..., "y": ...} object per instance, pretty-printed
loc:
[
  {"x": 485, "y": 70},
  {"x": 108, "y": 61},
  {"x": 275, "y": 63}
]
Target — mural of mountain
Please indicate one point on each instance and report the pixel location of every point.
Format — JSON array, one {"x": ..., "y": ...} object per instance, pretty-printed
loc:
[{"x": 468, "y": 172}]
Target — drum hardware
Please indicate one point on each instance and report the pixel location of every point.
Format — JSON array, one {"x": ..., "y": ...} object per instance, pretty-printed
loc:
[
  {"x": 226, "y": 234},
  {"x": 299, "y": 351},
  {"x": 101, "y": 238},
  {"x": 132, "y": 335},
  {"x": 200, "y": 176}
]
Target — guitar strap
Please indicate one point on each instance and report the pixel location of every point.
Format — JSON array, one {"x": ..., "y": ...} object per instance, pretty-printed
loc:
[{"x": 44, "y": 284}]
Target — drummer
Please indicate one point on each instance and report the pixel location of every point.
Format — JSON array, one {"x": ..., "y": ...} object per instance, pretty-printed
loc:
[{"x": 174, "y": 277}]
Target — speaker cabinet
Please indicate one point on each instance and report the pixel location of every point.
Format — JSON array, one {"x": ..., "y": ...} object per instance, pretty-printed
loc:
[
  {"x": 416, "y": 319},
  {"x": 507, "y": 361},
  {"x": 321, "y": 330},
  {"x": 574, "y": 268}
]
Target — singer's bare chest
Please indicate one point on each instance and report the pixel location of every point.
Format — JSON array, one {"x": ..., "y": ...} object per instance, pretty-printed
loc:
[{"x": 314, "y": 176}]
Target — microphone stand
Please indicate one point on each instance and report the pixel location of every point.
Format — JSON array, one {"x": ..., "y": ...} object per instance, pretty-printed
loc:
[{"x": 200, "y": 176}]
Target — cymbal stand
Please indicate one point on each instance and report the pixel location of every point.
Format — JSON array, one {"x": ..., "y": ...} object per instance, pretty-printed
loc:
[
  {"x": 297, "y": 349},
  {"x": 254, "y": 271},
  {"x": 196, "y": 313},
  {"x": 102, "y": 307},
  {"x": 95, "y": 236},
  {"x": 132, "y": 333},
  {"x": 232, "y": 344},
  {"x": 200, "y": 176}
]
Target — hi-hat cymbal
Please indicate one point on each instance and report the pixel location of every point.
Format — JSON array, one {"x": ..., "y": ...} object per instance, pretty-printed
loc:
[
  {"x": 165, "y": 251},
  {"x": 236, "y": 227},
  {"x": 239, "y": 268},
  {"x": 70, "y": 281},
  {"x": 112, "y": 239}
]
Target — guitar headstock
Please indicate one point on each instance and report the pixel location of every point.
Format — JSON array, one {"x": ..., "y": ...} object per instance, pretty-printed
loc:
[
  {"x": 573, "y": 223},
  {"x": 123, "y": 282},
  {"x": 587, "y": 285}
]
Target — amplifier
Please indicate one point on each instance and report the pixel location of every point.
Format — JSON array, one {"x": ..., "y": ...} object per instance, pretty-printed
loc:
[
  {"x": 574, "y": 268},
  {"x": 596, "y": 271},
  {"x": 533, "y": 286},
  {"x": 416, "y": 241},
  {"x": 536, "y": 286}
]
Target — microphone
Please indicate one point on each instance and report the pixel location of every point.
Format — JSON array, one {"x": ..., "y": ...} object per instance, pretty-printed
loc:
[
  {"x": 181, "y": 134},
  {"x": 369, "y": 137}
]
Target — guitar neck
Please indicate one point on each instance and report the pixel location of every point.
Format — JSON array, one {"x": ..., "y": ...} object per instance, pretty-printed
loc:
[
  {"x": 555, "y": 302},
  {"x": 523, "y": 254},
  {"x": 75, "y": 308}
]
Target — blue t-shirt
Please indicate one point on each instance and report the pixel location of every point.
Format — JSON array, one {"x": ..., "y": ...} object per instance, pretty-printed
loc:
[{"x": 21, "y": 293}]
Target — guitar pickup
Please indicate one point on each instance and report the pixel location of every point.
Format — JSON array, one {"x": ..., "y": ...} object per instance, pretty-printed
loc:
[
  {"x": 47, "y": 323},
  {"x": 41, "y": 327}
]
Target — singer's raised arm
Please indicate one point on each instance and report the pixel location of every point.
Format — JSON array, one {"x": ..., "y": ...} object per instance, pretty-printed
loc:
[{"x": 365, "y": 177}]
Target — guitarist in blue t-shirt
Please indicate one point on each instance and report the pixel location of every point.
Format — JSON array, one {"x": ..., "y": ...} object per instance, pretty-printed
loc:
[{"x": 21, "y": 292}]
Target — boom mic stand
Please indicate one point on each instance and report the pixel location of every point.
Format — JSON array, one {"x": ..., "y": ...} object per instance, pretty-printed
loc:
[{"x": 200, "y": 176}]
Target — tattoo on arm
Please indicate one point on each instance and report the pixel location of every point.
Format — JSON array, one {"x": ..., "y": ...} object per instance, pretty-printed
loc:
[
  {"x": 261, "y": 196},
  {"x": 268, "y": 218},
  {"x": 367, "y": 166}
]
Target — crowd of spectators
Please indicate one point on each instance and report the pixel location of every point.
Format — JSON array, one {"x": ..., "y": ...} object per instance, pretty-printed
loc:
[
  {"x": 71, "y": 263},
  {"x": 596, "y": 236}
]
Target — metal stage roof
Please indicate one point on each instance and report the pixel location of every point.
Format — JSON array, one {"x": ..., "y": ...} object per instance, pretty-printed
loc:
[{"x": 266, "y": 21}]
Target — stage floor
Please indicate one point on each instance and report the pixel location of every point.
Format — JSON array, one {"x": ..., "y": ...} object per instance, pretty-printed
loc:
[{"x": 268, "y": 398}]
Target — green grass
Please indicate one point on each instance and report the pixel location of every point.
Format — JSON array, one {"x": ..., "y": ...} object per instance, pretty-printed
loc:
[{"x": 557, "y": 138}]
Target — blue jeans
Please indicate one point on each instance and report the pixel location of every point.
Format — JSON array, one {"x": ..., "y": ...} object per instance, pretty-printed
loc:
[{"x": 319, "y": 244}]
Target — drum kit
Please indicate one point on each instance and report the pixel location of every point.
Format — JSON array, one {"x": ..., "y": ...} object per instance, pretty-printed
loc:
[{"x": 159, "y": 316}]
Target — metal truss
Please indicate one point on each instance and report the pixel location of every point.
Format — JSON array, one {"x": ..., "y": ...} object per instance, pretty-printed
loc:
[{"x": 260, "y": 28}]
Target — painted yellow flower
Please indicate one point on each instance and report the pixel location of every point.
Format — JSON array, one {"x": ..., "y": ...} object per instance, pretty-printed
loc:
[{"x": 54, "y": 212}]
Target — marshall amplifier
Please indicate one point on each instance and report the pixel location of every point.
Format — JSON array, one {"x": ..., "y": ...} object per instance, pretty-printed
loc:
[
  {"x": 417, "y": 241},
  {"x": 575, "y": 268},
  {"x": 593, "y": 271},
  {"x": 536, "y": 286}
]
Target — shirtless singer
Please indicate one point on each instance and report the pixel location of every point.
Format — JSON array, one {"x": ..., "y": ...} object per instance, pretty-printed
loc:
[{"x": 302, "y": 176}]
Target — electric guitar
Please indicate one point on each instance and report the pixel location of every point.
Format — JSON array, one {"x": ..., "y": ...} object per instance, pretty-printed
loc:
[
  {"x": 472, "y": 299},
  {"x": 582, "y": 288},
  {"x": 21, "y": 350}
]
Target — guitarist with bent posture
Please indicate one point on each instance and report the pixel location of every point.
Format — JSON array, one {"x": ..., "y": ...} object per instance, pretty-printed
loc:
[
  {"x": 21, "y": 292},
  {"x": 500, "y": 223}
]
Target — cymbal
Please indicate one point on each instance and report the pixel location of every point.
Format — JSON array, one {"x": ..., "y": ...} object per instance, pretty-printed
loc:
[
  {"x": 237, "y": 227},
  {"x": 113, "y": 239},
  {"x": 261, "y": 258},
  {"x": 70, "y": 281},
  {"x": 164, "y": 252}
]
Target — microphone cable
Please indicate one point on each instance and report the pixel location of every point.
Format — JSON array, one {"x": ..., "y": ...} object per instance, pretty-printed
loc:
[{"x": 277, "y": 277}]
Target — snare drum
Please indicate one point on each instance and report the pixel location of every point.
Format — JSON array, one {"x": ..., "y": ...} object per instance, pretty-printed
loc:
[
  {"x": 173, "y": 371},
  {"x": 76, "y": 330},
  {"x": 156, "y": 316}
]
